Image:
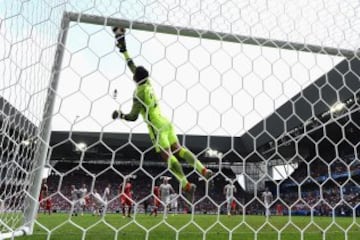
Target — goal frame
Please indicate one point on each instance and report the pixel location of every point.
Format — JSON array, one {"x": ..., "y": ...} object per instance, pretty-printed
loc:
[
  {"x": 41, "y": 156},
  {"x": 43, "y": 137}
]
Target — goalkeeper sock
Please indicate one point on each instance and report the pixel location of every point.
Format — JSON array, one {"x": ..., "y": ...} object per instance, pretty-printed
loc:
[
  {"x": 176, "y": 169},
  {"x": 192, "y": 160}
]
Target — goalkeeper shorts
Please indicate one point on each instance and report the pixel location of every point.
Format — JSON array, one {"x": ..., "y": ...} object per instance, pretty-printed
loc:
[{"x": 164, "y": 137}]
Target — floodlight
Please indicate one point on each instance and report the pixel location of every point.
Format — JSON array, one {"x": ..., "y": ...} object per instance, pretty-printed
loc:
[
  {"x": 26, "y": 142},
  {"x": 81, "y": 146},
  {"x": 337, "y": 107}
]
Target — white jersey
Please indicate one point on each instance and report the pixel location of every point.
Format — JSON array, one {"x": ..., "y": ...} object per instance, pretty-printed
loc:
[
  {"x": 267, "y": 196},
  {"x": 173, "y": 200},
  {"x": 165, "y": 190},
  {"x": 229, "y": 190},
  {"x": 74, "y": 194},
  {"x": 98, "y": 199},
  {"x": 2, "y": 206},
  {"x": 83, "y": 192},
  {"x": 106, "y": 194}
]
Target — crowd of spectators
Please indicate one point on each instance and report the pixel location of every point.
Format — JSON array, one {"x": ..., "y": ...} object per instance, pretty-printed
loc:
[
  {"x": 319, "y": 194},
  {"x": 324, "y": 188}
]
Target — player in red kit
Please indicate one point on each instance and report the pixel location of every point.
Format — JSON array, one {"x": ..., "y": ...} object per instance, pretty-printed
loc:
[
  {"x": 87, "y": 200},
  {"x": 48, "y": 205},
  {"x": 156, "y": 201},
  {"x": 233, "y": 206},
  {"x": 43, "y": 194},
  {"x": 279, "y": 209},
  {"x": 126, "y": 197}
]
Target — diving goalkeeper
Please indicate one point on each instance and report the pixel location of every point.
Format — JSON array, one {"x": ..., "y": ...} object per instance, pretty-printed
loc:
[{"x": 161, "y": 131}]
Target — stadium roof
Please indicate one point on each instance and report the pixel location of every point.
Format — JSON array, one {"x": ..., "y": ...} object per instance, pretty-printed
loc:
[
  {"x": 12, "y": 120},
  {"x": 337, "y": 85}
]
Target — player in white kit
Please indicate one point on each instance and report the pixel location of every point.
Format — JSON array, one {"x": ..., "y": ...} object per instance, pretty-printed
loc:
[
  {"x": 268, "y": 197},
  {"x": 98, "y": 203},
  {"x": 229, "y": 191},
  {"x": 82, "y": 201},
  {"x": 75, "y": 193},
  {"x": 2, "y": 206},
  {"x": 106, "y": 195},
  {"x": 165, "y": 190},
  {"x": 174, "y": 203}
]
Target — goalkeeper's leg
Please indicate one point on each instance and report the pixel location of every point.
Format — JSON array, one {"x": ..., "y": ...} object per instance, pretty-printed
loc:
[
  {"x": 160, "y": 139},
  {"x": 177, "y": 171},
  {"x": 188, "y": 156},
  {"x": 175, "y": 167}
]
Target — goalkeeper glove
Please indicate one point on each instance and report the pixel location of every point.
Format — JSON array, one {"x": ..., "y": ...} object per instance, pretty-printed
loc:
[
  {"x": 118, "y": 114},
  {"x": 120, "y": 38}
]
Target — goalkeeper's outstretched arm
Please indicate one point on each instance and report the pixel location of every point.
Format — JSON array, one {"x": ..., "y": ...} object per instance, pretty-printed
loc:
[
  {"x": 121, "y": 44},
  {"x": 136, "y": 107}
]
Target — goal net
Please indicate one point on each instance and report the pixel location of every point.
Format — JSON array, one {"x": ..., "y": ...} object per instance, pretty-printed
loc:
[{"x": 264, "y": 94}]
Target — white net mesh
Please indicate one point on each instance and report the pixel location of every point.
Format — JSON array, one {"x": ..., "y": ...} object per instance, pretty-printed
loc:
[
  {"x": 28, "y": 37},
  {"x": 264, "y": 93}
]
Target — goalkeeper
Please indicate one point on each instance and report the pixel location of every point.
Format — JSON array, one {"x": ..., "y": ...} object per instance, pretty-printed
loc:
[{"x": 161, "y": 131}]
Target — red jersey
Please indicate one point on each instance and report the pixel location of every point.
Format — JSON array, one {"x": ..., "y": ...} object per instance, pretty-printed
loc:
[
  {"x": 233, "y": 204},
  {"x": 127, "y": 189},
  {"x": 279, "y": 209},
  {"x": 156, "y": 197},
  {"x": 48, "y": 203},
  {"x": 157, "y": 191},
  {"x": 126, "y": 197},
  {"x": 87, "y": 200},
  {"x": 43, "y": 191}
]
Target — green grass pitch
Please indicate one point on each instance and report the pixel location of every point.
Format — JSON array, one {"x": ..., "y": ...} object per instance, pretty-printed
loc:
[{"x": 211, "y": 227}]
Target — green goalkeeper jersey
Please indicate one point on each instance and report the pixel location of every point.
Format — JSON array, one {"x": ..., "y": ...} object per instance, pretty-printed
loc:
[
  {"x": 146, "y": 104},
  {"x": 161, "y": 131}
]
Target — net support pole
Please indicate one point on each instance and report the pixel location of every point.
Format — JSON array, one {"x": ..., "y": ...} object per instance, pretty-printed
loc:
[
  {"x": 220, "y": 36},
  {"x": 32, "y": 203}
]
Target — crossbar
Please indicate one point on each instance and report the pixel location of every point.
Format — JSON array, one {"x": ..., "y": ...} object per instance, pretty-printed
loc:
[{"x": 226, "y": 37}]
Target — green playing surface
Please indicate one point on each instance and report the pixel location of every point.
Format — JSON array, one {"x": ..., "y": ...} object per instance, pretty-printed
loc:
[{"x": 113, "y": 226}]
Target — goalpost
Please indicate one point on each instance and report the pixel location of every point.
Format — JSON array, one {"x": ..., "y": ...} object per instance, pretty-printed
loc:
[{"x": 18, "y": 214}]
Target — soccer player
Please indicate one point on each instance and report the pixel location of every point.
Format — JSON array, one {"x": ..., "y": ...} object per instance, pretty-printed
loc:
[
  {"x": 146, "y": 205},
  {"x": 268, "y": 197},
  {"x": 165, "y": 190},
  {"x": 125, "y": 191},
  {"x": 44, "y": 191},
  {"x": 48, "y": 205},
  {"x": 156, "y": 193},
  {"x": 106, "y": 194},
  {"x": 82, "y": 201},
  {"x": 229, "y": 191},
  {"x": 2, "y": 206},
  {"x": 160, "y": 128},
  {"x": 98, "y": 203},
  {"x": 233, "y": 206},
  {"x": 75, "y": 199},
  {"x": 279, "y": 209},
  {"x": 174, "y": 203}
]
